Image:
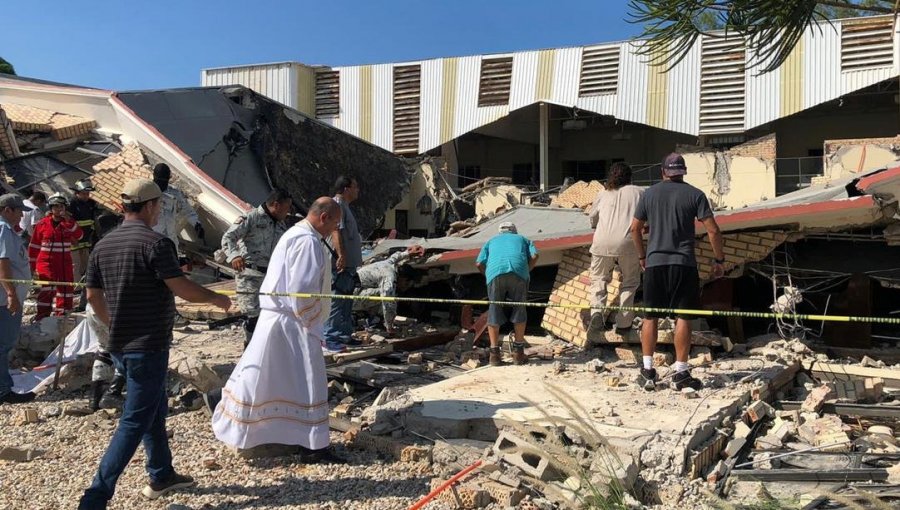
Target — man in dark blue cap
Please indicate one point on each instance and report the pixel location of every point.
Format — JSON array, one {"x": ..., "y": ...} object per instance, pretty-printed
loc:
[{"x": 671, "y": 279}]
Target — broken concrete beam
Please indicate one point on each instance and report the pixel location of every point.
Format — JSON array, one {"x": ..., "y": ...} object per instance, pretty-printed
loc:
[
  {"x": 520, "y": 453},
  {"x": 759, "y": 410},
  {"x": 816, "y": 398}
]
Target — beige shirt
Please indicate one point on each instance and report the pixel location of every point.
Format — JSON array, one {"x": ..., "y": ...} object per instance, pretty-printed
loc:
[{"x": 611, "y": 217}]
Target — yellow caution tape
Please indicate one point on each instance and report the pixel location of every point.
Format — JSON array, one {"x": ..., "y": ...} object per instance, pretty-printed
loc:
[{"x": 570, "y": 306}]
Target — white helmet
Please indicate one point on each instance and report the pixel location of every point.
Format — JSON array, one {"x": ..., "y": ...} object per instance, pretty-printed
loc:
[{"x": 57, "y": 198}]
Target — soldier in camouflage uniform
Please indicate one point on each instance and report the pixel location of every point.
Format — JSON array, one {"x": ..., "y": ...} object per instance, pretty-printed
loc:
[
  {"x": 248, "y": 245},
  {"x": 380, "y": 279}
]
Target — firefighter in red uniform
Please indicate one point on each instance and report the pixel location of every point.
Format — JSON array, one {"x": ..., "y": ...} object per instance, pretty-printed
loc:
[{"x": 50, "y": 255}]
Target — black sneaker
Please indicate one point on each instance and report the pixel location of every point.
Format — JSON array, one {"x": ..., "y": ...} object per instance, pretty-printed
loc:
[
  {"x": 684, "y": 380},
  {"x": 647, "y": 379},
  {"x": 323, "y": 456},
  {"x": 597, "y": 324},
  {"x": 158, "y": 489},
  {"x": 624, "y": 331},
  {"x": 17, "y": 398}
]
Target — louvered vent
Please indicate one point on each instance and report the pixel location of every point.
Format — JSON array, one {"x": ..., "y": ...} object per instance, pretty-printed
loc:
[
  {"x": 599, "y": 71},
  {"x": 722, "y": 85},
  {"x": 328, "y": 93},
  {"x": 496, "y": 77},
  {"x": 407, "y": 93},
  {"x": 867, "y": 43}
]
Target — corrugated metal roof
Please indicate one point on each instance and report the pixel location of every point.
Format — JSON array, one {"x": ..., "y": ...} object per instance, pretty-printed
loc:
[{"x": 275, "y": 81}]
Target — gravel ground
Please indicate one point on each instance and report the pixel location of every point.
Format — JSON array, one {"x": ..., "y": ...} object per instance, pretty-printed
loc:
[{"x": 71, "y": 448}]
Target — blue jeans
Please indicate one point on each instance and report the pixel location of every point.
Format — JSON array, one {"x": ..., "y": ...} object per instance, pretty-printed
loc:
[
  {"x": 340, "y": 321},
  {"x": 143, "y": 419},
  {"x": 10, "y": 326}
]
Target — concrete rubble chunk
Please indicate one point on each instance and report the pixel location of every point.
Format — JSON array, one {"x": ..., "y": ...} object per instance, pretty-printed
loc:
[
  {"x": 816, "y": 399},
  {"x": 25, "y": 453},
  {"x": 717, "y": 472},
  {"x": 734, "y": 446},
  {"x": 416, "y": 358},
  {"x": 759, "y": 410},
  {"x": 741, "y": 429},
  {"x": 595, "y": 365},
  {"x": 518, "y": 452},
  {"x": 458, "y": 453}
]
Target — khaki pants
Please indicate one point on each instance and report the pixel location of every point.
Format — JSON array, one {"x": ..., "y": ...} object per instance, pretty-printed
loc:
[
  {"x": 80, "y": 262},
  {"x": 601, "y": 276}
]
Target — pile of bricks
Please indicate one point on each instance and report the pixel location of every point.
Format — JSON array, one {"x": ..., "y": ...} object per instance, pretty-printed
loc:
[
  {"x": 9, "y": 147},
  {"x": 580, "y": 195},
  {"x": 61, "y": 126},
  {"x": 573, "y": 280},
  {"x": 112, "y": 173}
]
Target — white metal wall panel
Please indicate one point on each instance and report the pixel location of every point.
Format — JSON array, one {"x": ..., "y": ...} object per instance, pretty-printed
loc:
[
  {"x": 383, "y": 106},
  {"x": 855, "y": 80},
  {"x": 632, "y": 97},
  {"x": 683, "y": 105},
  {"x": 348, "y": 119},
  {"x": 566, "y": 74},
  {"x": 524, "y": 79},
  {"x": 762, "y": 96},
  {"x": 897, "y": 46},
  {"x": 604, "y": 104},
  {"x": 430, "y": 116},
  {"x": 469, "y": 115},
  {"x": 275, "y": 81},
  {"x": 821, "y": 65}
]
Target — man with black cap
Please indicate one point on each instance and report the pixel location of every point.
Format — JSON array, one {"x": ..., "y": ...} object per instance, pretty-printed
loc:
[
  {"x": 176, "y": 210},
  {"x": 13, "y": 266},
  {"x": 671, "y": 279},
  {"x": 132, "y": 278}
]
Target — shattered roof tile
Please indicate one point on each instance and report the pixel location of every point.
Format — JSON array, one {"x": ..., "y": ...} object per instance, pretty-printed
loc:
[
  {"x": 112, "y": 173},
  {"x": 579, "y": 195},
  {"x": 38, "y": 120},
  {"x": 9, "y": 147}
]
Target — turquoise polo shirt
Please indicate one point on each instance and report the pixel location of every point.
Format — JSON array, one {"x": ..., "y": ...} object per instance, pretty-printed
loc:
[{"x": 506, "y": 253}]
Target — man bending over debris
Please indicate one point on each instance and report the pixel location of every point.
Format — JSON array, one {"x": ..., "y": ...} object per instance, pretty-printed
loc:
[
  {"x": 278, "y": 392},
  {"x": 248, "y": 244},
  {"x": 380, "y": 279},
  {"x": 506, "y": 260},
  {"x": 133, "y": 275},
  {"x": 612, "y": 246},
  {"x": 671, "y": 279}
]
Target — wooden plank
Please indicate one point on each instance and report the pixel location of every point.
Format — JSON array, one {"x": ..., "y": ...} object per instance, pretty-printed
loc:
[
  {"x": 346, "y": 357},
  {"x": 424, "y": 341}
]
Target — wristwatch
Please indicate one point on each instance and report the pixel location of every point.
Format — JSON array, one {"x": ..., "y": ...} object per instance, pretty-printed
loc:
[{"x": 719, "y": 261}]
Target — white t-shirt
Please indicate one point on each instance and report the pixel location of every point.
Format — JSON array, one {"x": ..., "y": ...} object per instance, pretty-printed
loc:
[{"x": 612, "y": 213}]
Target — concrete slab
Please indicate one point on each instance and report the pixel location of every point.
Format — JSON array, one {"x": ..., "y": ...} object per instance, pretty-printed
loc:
[{"x": 481, "y": 402}]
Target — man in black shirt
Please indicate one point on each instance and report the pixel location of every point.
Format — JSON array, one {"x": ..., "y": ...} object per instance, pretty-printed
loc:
[
  {"x": 671, "y": 279},
  {"x": 132, "y": 278}
]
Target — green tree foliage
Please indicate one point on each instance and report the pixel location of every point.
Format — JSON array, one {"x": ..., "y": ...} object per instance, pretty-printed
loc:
[
  {"x": 6, "y": 67},
  {"x": 771, "y": 28}
]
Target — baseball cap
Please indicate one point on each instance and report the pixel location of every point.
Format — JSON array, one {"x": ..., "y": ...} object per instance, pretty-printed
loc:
[
  {"x": 13, "y": 201},
  {"x": 508, "y": 226},
  {"x": 137, "y": 191},
  {"x": 674, "y": 165}
]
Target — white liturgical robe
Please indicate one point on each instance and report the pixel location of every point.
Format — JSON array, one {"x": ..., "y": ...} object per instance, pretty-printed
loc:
[{"x": 278, "y": 392}]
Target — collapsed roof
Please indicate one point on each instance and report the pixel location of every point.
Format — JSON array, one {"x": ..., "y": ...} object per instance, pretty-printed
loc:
[{"x": 228, "y": 146}]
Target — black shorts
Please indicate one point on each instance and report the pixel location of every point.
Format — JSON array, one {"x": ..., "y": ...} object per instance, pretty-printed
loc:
[
  {"x": 507, "y": 287},
  {"x": 671, "y": 287}
]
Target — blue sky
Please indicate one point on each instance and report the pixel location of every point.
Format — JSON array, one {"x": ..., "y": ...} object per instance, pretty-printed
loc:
[{"x": 130, "y": 44}]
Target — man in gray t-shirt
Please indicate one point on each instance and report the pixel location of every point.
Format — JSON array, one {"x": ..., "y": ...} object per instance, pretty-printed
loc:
[
  {"x": 348, "y": 246},
  {"x": 671, "y": 280}
]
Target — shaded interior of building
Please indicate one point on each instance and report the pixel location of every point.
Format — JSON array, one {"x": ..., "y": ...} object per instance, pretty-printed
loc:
[{"x": 583, "y": 145}]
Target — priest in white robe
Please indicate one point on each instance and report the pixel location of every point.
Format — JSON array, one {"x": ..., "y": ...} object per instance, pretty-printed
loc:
[{"x": 278, "y": 392}]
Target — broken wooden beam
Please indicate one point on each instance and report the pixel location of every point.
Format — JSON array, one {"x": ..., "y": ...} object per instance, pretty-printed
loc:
[
  {"x": 811, "y": 475},
  {"x": 423, "y": 341},
  {"x": 346, "y": 357},
  {"x": 837, "y": 372},
  {"x": 848, "y": 409}
]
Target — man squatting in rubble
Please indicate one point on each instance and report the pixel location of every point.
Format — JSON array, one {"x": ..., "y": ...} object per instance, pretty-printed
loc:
[
  {"x": 176, "y": 210},
  {"x": 278, "y": 392},
  {"x": 248, "y": 244},
  {"x": 671, "y": 279},
  {"x": 506, "y": 260},
  {"x": 380, "y": 279},
  {"x": 611, "y": 216},
  {"x": 132, "y": 278}
]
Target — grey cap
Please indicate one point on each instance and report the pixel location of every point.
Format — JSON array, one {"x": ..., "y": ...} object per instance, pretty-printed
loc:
[
  {"x": 13, "y": 201},
  {"x": 508, "y": 226},
  {"x": 137, "y": 191}
]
